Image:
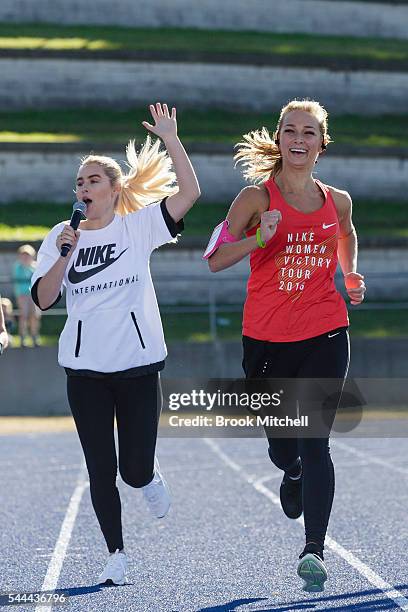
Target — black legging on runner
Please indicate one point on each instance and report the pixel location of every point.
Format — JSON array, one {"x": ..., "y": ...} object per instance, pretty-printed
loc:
[
  {"x": 324, "y": 356},
  {"x": 136, "y": 403}
]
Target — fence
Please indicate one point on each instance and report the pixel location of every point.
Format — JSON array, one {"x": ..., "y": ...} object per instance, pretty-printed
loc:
[{"x": 212, "y": 293}]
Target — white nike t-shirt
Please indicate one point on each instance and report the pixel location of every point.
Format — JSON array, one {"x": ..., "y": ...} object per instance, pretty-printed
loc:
[{"x": 113, "y": 319}]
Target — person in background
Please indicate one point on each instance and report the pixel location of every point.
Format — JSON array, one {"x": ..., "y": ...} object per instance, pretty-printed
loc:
[
  {"x": 9, "y": 318},
  {"x": 3, "y": 332},
  {"x": 29, "y": 314}
]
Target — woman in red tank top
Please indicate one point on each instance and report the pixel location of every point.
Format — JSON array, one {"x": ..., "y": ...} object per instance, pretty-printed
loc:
[{"x": 295, "y": 322}]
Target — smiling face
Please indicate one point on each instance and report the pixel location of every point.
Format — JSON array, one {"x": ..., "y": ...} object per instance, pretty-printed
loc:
[
  {"x": 300, "y": 139},
  {"x": 93, "y": 187}
]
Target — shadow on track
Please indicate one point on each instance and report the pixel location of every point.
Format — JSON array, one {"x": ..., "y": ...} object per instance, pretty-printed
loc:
[{"x": 383, "y": 603}]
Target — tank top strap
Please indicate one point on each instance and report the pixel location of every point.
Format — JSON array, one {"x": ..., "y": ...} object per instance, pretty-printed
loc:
[
  {"x": 328, "y": 195},
  {"x": 322, "y": 186},
  {"x": 272, "y": 191}
]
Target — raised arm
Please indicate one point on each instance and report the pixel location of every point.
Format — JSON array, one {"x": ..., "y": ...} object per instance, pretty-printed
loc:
[
  {"x": 249, "y": 208},
  {"x": 188, "y": 188}
]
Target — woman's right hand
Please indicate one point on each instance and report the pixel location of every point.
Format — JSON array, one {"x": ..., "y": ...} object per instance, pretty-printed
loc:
[
  {"x": 269, "y": 223},
  {"x": 68, "y": 236}
]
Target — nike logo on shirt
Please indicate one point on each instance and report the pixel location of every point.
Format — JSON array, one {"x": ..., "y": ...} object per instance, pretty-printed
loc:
[
  {"x": 327, "y": 226},
  {"x": 77, "y": 277},
  {"x": 332, "y": 335}
]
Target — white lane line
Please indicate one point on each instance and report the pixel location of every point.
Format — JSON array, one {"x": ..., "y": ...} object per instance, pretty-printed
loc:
[
  {"x": 376, "y": 580},
  {"x": 60, "y": 550},
  {"x": 367, "y": 457}
]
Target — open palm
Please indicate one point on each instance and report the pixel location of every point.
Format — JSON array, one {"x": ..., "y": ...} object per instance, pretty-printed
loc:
[{"x": 165, "y": 125}]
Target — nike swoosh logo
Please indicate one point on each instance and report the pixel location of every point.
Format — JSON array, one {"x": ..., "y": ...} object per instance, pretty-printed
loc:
[
  {"x": 327, "y": 226},
  {"x": 332, "y": 335},
  {"x": 77, "y": 277}
]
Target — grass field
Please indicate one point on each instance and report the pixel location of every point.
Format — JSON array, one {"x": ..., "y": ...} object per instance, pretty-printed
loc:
[
  {"x": 29, "y": 222},
  {"x": 95, "y": 126},
  {"x": 102, "y": 38}
]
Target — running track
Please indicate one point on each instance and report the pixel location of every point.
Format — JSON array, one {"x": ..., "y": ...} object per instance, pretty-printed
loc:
[{"x": 225, "y": 545}]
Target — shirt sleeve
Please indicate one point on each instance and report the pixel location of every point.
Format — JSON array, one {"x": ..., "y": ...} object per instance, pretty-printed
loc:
[
  {"x": 46, "y": 258},
  {"x": 156, "y": 224}
]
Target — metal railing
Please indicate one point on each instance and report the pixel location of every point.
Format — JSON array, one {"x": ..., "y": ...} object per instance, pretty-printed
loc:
[{"x": 213, "y": 306}]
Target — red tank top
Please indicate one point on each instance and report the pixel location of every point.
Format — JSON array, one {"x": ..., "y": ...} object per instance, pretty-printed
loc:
[{"x": 291, "y": 293}]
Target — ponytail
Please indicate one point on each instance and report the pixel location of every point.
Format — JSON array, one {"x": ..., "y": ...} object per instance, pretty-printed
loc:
[
  {"x": 259, "y": 155},
  {"x": 148, "y": 180}
]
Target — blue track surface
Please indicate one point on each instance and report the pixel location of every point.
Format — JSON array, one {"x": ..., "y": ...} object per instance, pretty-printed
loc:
[{"x": 225, "y": 545}]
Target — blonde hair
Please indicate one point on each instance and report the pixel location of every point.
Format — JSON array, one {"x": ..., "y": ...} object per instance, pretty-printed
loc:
[
  {"x": 27, "y": 249},
  {"x": 259, "y": 153},
  {"x": 149, "y": 179}
]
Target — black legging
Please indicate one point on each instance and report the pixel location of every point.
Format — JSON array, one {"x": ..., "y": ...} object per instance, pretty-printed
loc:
[
  {"x": 319, "y": 357},
  {"x": 136, "y": 403}
]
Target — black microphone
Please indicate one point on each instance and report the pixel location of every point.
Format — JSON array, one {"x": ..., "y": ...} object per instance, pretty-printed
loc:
[{"x": 78, "y": 215}]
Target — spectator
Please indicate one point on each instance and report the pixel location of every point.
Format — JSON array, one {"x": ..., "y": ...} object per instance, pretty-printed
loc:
[
  {"x": 3, "y": 332},
  {"x": 29, "y": 314},
  {"x": 9, "y": 318}
]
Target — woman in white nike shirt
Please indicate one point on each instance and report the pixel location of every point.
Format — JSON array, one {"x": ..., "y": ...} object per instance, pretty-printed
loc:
[{"x": 112, "y": 346}]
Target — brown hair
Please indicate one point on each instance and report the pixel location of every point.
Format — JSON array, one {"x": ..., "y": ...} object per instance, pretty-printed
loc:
[{"x": 259, "y": 153}]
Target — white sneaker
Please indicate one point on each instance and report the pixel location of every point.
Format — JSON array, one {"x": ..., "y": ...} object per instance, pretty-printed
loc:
[
  {"x": 115, "y": 569},
  {"x": 157, "y": 494}
]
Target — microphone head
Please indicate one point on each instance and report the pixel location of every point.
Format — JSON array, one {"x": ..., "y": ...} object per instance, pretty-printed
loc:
[{"x": 81, "y": 207}]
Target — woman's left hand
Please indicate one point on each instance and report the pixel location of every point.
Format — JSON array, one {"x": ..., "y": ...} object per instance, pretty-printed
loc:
[
  {"x": 165, "y": 125},
  {"x": 355, "y": 287}
]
